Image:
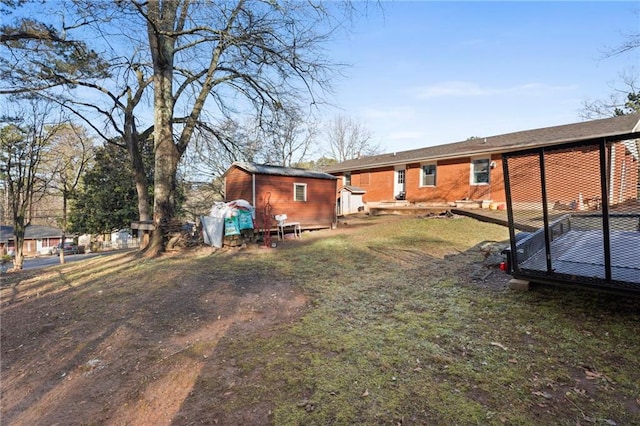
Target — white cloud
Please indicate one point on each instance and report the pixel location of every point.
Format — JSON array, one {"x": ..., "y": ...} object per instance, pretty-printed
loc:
[
  {"x": 395, "y": 113},
  {"x": 466, "y": 89},
  {"x": 407, "y": 135}
]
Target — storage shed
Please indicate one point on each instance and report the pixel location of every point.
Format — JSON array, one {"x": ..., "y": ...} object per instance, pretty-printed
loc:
[
  {"x": 305, "y": 196},
  {"x": 350, "y": 200}
]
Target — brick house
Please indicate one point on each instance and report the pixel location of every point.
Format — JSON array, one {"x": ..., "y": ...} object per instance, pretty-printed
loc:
[
  {"x": 38, "y": 239},
  {"x": 472, "y": 169}
]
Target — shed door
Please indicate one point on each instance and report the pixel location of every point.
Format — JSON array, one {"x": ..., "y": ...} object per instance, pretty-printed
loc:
[{"x": 346, "y": 202}]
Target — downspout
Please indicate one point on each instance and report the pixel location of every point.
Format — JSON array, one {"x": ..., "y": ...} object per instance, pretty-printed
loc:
[
  {"x": 612, "y": 171},
  {"x": 623, "y": 181},
  {"x": 253, "y": 189}
]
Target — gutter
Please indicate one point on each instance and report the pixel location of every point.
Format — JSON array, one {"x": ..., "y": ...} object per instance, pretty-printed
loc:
[{"x": 617, "y": 137}]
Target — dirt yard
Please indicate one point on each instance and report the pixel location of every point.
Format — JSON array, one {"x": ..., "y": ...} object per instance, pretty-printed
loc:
[{"x": 126, "y": 340}]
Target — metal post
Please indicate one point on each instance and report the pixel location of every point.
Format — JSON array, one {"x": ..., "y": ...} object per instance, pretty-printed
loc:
[
  {"x": 512, "y": 233},
  {"x": 604, "y": 190},
  {"x": 545, "y": 211}
]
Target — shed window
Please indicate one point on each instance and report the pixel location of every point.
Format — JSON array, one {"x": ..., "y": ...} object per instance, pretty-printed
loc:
[
  {"x": 299, "y": 192},
  {"x": 428, "y": 175},
  {"x": 480, "y": 171}
]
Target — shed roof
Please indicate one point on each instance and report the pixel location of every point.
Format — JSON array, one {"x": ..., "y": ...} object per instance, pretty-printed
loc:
[
  {"x": 265, "y": 169},
  {"x": 618, "y": 128}
]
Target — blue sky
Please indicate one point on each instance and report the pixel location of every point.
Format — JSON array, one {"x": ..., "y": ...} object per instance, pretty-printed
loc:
[{"x": 425, "y": 73}]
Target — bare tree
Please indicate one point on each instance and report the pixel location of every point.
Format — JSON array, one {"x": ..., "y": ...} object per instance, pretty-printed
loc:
[
  {"x": 623, "y": 99},
  {"x": 258, "y": 55},
  {"x": 24, "y": 143},
  {"x": 233, "y": 57},
  {"x": 70, "y": 153},
  {"x": 631, "y": 42},
  {"x": 42, "y": 60},
  {"x": 289, "y": 138},
  {"x": 215, "y": 147},
  {"x": 283, "y": 140},
  {"x": 349, "y": 139},
  {"x": 620, "y": 102}
]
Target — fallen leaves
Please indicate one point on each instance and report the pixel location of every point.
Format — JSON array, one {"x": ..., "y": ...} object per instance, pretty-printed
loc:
[
  {"x": 591, "y": 374},
  {"x": 545, "y": 395},
  {"x": 499, "y": 345},
  {"x": 308, "y": 406}
]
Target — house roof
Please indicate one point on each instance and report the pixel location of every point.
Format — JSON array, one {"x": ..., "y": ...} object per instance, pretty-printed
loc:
[
  {"x": 6, "y": 233},
  {"x": 616, "y": 128},
  {"x": 265, "y": 169},
  {"x": 31, "y": 232},
  {"x": 353, "y": 189}
]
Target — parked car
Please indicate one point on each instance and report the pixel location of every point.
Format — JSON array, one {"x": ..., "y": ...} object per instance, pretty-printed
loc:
[{"x": 68, "y": 248}]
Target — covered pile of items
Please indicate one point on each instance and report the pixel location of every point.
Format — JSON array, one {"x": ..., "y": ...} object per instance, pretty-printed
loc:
[{"x": 231, "y": 220}]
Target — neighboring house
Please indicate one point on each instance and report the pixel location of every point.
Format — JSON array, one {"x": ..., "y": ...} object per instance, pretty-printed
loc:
[
  {"x": 37, "y": 239},
  {"x": 305, "y": 196},
  {"x": 472, "y": 169}
]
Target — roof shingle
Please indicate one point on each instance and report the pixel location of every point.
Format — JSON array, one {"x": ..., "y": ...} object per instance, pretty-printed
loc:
[
  {"x": 266, "y": 169},
  {"x": 31, "y": 232},
  {"x": 616, "y": 127}
]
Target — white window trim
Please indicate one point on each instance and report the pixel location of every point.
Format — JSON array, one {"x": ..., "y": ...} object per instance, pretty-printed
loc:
[
  {"x": 435, "y": 163},
  {"x": 304, "y": 185},
  {"x": 344, "y": 178},
  {"x": 472, "y": 172}
]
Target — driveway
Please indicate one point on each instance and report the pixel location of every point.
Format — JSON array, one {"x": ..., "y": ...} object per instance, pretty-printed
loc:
[{"x": 43, "y": 262}]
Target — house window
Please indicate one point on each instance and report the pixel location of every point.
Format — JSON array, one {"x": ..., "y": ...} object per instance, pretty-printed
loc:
[
  {"x": 347, "y": 178},
  {"x": 299, "y": 192},
  {"x": 401, "y": 174},
  {"x": 480, "y": 171},
  {"x": 428, "y": 175}
]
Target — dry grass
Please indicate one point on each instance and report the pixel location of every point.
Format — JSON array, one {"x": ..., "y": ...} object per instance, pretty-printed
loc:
[{"x": 394, "y": 331}]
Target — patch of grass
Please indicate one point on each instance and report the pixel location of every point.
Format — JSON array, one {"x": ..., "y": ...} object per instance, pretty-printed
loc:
[
  {"x": 384, "y": 344},
  {"x": 394, "y": 332}
]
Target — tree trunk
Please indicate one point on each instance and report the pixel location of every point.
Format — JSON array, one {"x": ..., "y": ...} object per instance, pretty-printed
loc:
[
  {"x": 139, "y": 177},
  {"x": 134, "y": 149},
  {"x": 18, "y": 236},
  {"x": 64, "y": 224},
  {"x": 142, "y": 189},
  {"x": 166, "y": 166},
  {"x": 161, "y": 19}
]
